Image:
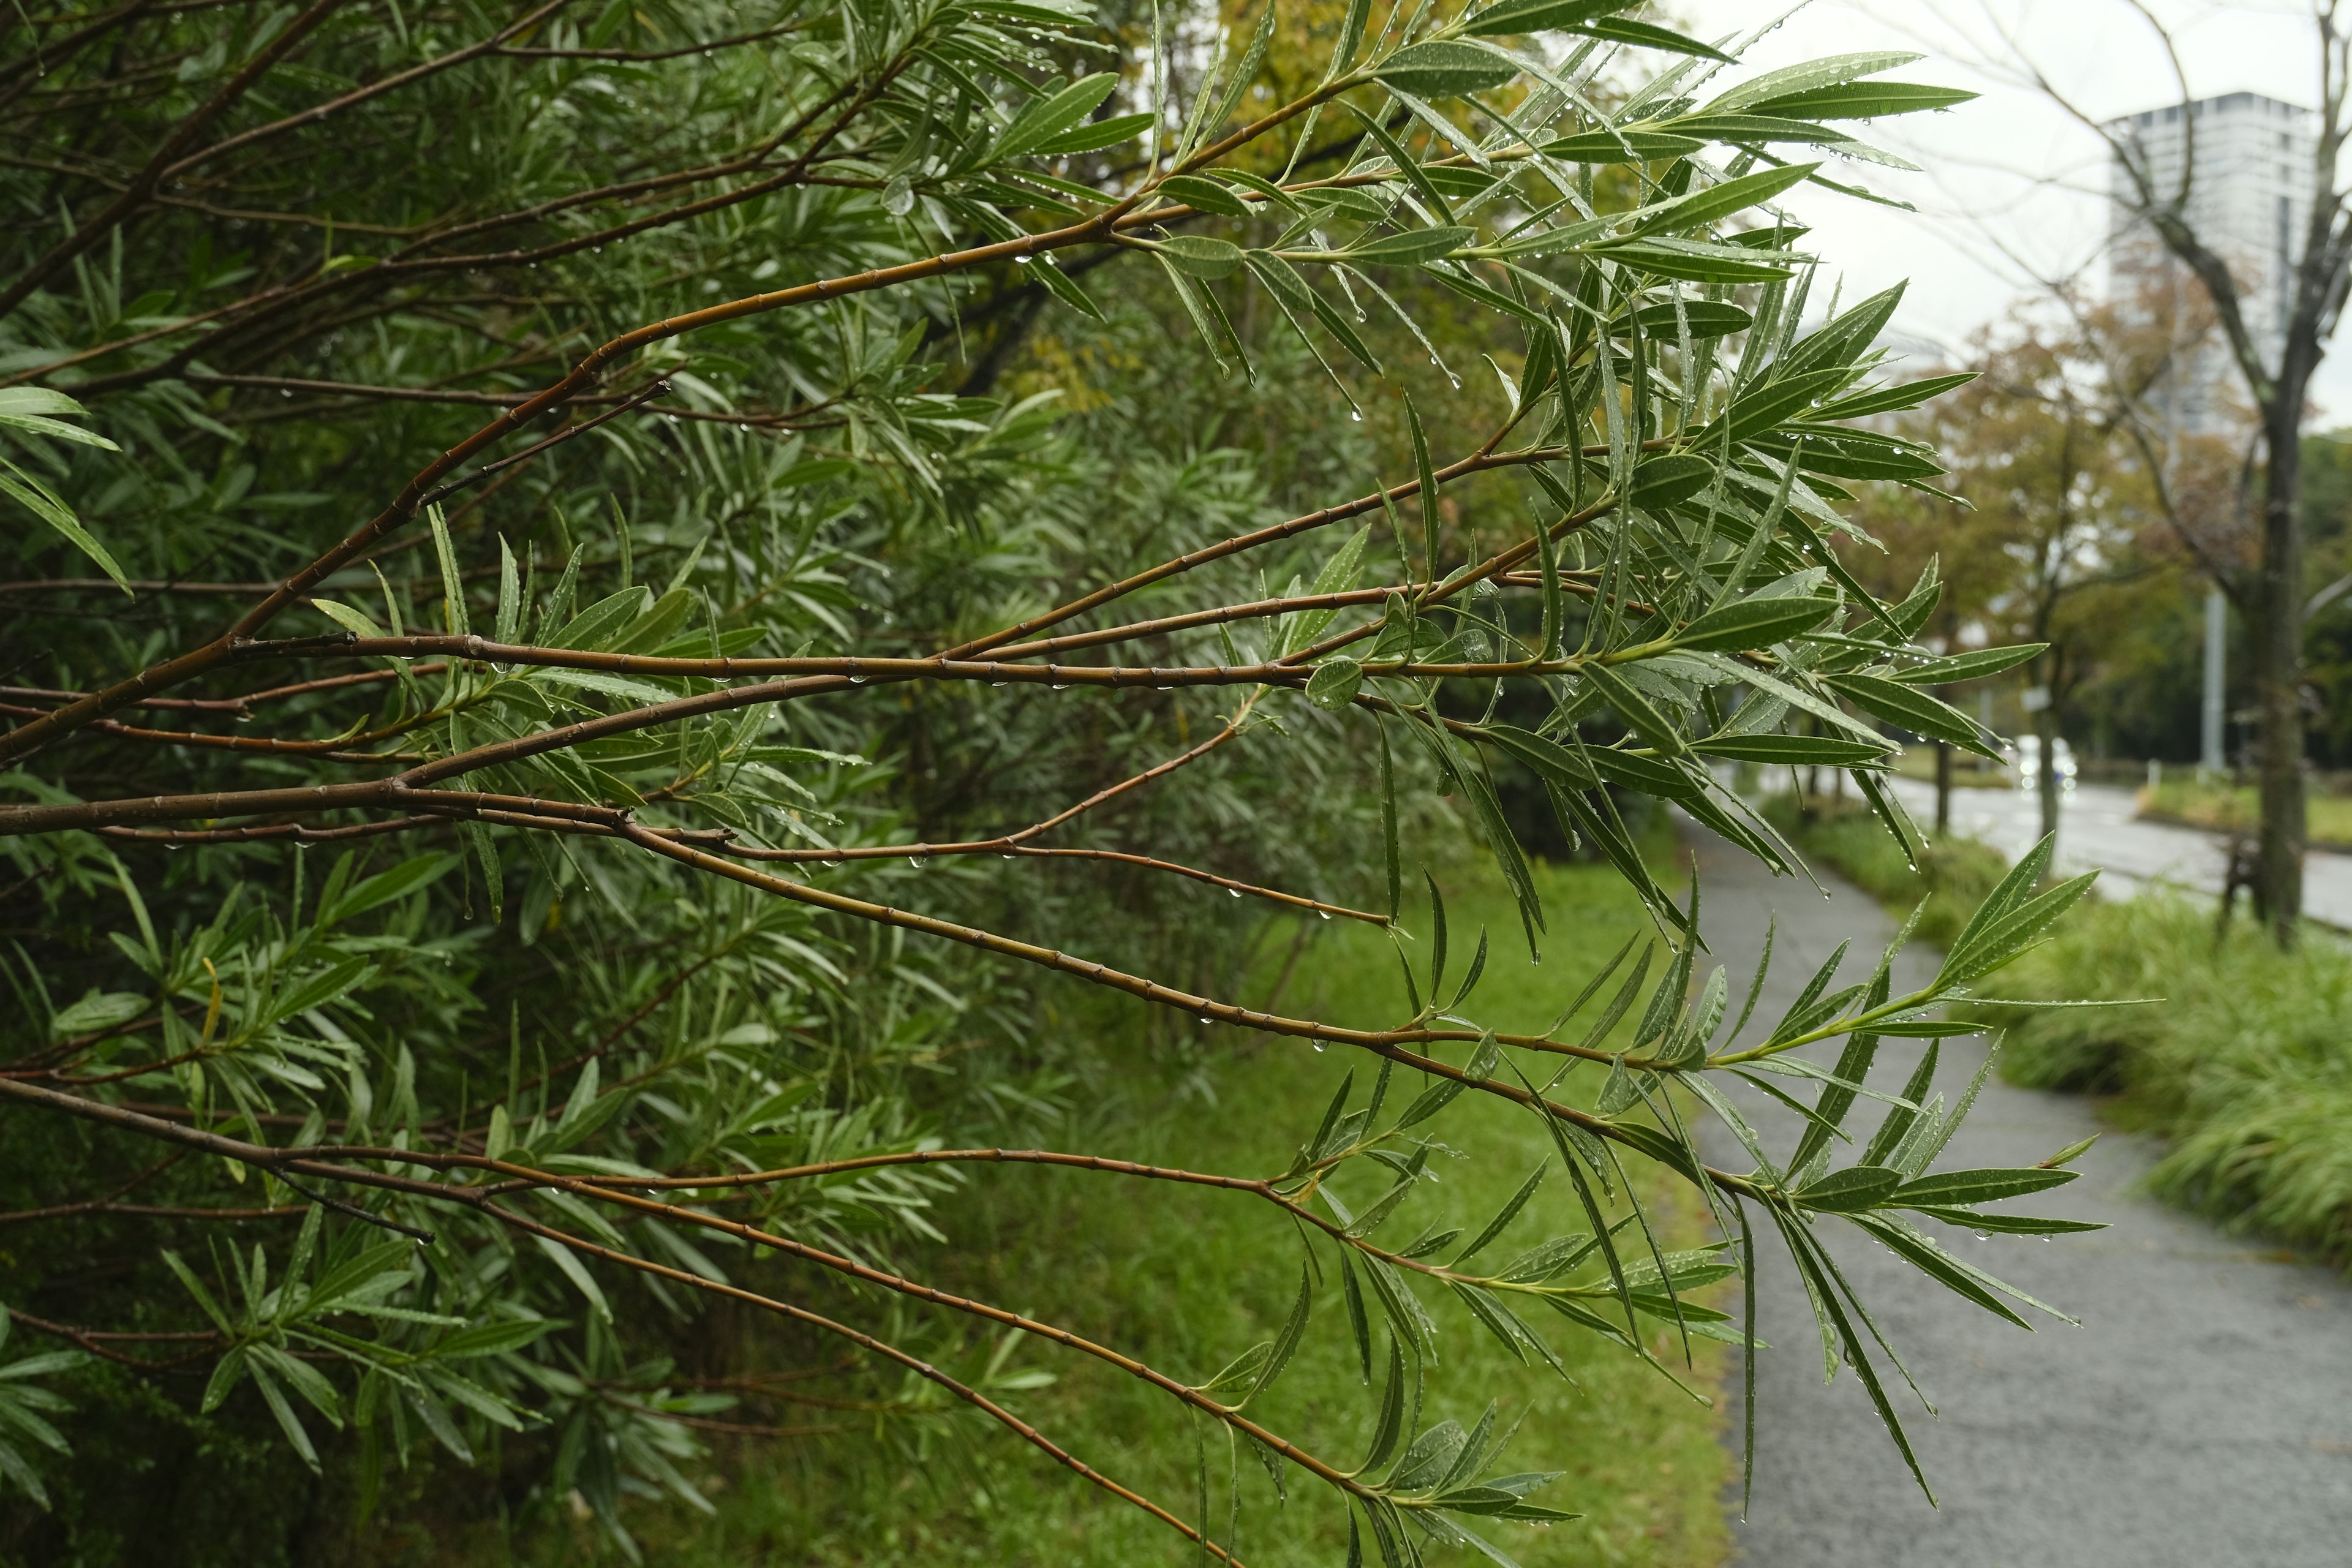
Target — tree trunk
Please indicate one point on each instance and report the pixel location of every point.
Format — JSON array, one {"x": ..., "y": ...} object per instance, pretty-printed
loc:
[
  {"x": 1943, "y": 788},
  {"x": 2045, "y": 725},
  {"x": 2278, "y": 670}
]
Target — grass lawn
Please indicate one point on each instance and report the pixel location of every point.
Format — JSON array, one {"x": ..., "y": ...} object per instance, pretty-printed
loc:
[
  {"x": 1187, "y": 1279},
  {"x": 2223, "y": 807},
  {"x": 1968, "y": 771}
]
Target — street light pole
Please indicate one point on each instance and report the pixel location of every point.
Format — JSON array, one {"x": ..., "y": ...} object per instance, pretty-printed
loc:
[{"x": 2211, "y": 757}]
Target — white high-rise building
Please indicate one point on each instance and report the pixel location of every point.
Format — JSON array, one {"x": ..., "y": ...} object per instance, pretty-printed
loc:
[{"x": 2249, "y": 195}]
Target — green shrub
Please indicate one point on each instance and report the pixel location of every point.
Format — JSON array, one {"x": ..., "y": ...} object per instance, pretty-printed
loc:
[
  {"x": 621, "y": 753},
  {"x": 2244, "y": 1062}
]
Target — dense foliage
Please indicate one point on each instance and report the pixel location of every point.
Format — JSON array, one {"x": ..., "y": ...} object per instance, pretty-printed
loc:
[{"x": 535, "y": 870}]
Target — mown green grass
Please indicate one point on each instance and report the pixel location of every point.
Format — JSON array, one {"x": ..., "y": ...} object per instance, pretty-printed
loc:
[
  {"x": 1187, "y": 1279},
  {"x": 2241, "y": 1057},
  {"x": 2227, "y": 807},
  {"x": 1968, "y": 771}
]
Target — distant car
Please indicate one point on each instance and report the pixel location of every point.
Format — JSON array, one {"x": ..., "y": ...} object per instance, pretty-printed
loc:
[{"x": 2025, "y": 756}]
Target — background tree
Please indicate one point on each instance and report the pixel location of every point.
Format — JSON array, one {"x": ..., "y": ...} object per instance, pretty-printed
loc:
[
  {"x": 2056, "y": 497},
  {"x": 2321, "y": 265},
  {"x": 551, "y": 848}
]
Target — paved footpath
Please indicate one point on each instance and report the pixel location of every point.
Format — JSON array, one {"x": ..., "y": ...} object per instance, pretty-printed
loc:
[{"x": 2202, "y": 1417}]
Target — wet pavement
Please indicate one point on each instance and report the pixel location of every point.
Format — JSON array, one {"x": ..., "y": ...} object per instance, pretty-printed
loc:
[{"x": 2200, "y": 1415}]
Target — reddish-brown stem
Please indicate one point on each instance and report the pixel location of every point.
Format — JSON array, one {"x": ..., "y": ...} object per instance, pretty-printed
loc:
[
  {"x": 1207, "y": 1009},
  {"x": 153, "y": 1211},
  {"x": 1477, "y": 462},
  {"x": 95, "y": 1341},
  {"x": 1011, "y": 851},
  {"x": 300, "y": 833}
]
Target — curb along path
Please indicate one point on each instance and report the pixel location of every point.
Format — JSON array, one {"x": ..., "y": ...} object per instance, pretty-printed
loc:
[{"x": 2202, "y": 1415}]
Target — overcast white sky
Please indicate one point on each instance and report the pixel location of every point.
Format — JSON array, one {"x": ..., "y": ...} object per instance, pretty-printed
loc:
[{"x": 2012, "y": 170}]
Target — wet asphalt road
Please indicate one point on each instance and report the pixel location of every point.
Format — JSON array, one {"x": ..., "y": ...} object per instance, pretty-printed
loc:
[{"x": 2200, "y": 1415}]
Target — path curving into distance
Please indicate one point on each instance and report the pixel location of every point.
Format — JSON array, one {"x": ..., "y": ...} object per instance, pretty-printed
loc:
[{"x": 2200, "y": 1417}]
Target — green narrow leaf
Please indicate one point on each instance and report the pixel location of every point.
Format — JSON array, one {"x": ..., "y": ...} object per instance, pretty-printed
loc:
[
  {"x": 1554, "y": 615},
  {"x": 453, "y": 588},
  {"x": 1200, "y": 255},
  {"x": 1894, "y": 399},
  {"x": 1426, "y": 475},
  {"x": 1755, "y": 987},
  {"x": 508, "y": 628},
  {"x": 2007, "y": 894},
  {"x": 1055, "y": 113},
  {"x": 1286, "y": 1342},
  {"x": 1390, "y": 1424},
  {"x": 1470, "y": 976},
  {"x": 1718, "y": 201},
  {"x": 1793, "y": 751},
  {"x": 1851, "y": 1190},
  {"x": 1592, "y": 986},
  {"x": 1862, "y": 100},
  {"x": 1977, "y": 666},
  {"x": 1913, "y": 709},
  {"x": 1899, "y": 1119},
  {"x": 350, "y": 619},
  {"x": 1645, "y": 35},
  {"x": 2013, "y": 932},
  {"x": 572, "y": 1269},
  {"x": 1205, "y": 194},
  {"x": 43, "y": 503},
  {"x": 1951, "y": 1187},
  {"x": 1640, "y": 714},
  {"x": 1754, "y": 624},
  {"x": 1444, "y": 70},
  {"x": 1358, "y": 1320},
  {"x": 1777, "y": 86},
  {"x": 1096, "y": 135},
  {"x": 1247, "y": 73},
  {"x": 288, "y": 1422},
  {"x": 1343, "y": 55},
  {"x": 1621, "y": 1003},
  {"x": 1063, "y": 286},
  {"x": 1413, "y": 173},
  {"x": 1619, "y": 1093},
  {"x": 1436, "y": 935},
  {"x": 1493, "y": 1228},
  {"x": 1409, "y": 248},
  {"x": 1836, "y": 1098},
  {"x": 1891, "y": 814},
  {"x": 1320, "y": 1148}
]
